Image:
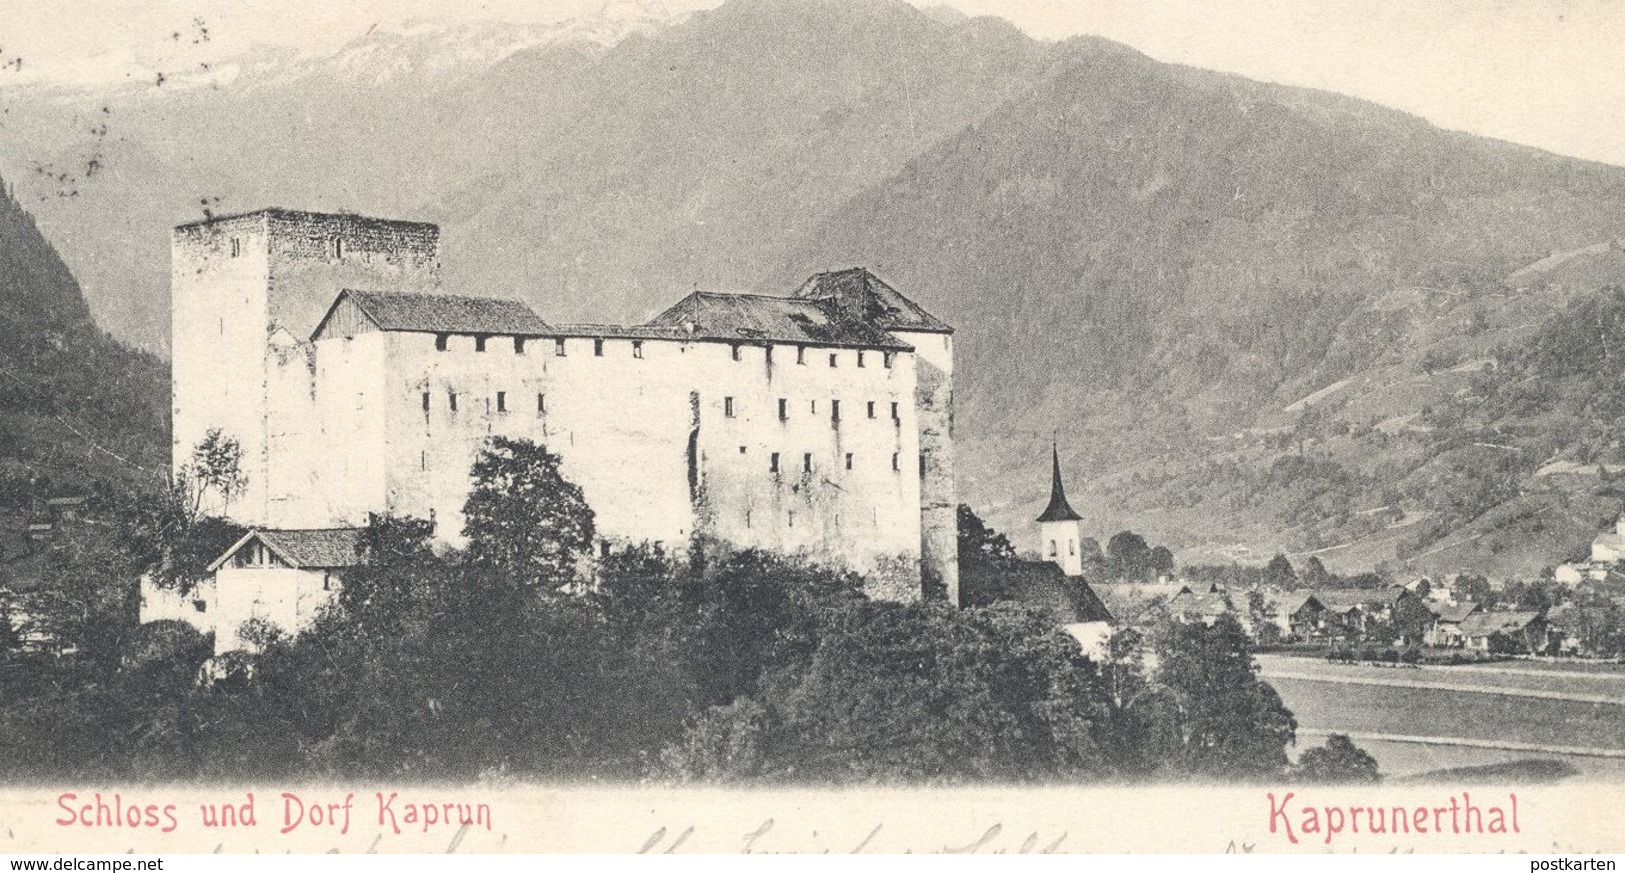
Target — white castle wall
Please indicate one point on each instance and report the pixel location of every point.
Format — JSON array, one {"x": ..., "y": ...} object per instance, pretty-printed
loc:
[
  {"x": 939, "y": 500},
  {"x": 335, "y": 429},
  {"x": 623, "y": 425}
]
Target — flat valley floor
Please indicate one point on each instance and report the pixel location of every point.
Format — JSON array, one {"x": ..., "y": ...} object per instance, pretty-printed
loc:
[{"x": 1518, "y": 720}]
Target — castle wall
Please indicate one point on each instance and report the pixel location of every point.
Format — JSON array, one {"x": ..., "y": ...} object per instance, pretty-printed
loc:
[
  {"x": 866, "y": 517},
  {"x": 649, "y": 439},
  {"x": 939, "y": 501}
]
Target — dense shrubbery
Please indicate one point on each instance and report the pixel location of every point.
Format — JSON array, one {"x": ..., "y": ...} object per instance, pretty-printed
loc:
[{"x": 715, "y": 665}]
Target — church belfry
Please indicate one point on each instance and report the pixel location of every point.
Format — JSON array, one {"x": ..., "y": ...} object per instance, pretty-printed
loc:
[{"x": 1060, "y": 529}]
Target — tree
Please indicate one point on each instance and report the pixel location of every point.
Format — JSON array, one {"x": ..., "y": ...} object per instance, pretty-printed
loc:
[
  {"x": 216, "y": 466},
  {"x": 985, "y": 555},
  {"x": 1315, "y": 574},
  {"x": 1127, "y": 556},
  {"x": 1278, "y": 573},
  {"x": 524, "y": 520},
  {"x": 915, "y": 692},
  {"x": 1411, "y": 619},
  {"x": 1219, "y": 718},
  {"x": 1339, "y": 761},
  {"x": 1160, "y": 562}
]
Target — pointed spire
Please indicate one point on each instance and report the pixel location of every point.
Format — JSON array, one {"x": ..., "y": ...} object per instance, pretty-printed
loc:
[{"x": 1058, "y": 509}]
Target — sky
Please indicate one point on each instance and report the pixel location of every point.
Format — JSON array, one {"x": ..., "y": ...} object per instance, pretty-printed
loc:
[{"x": 1547, "y": 73}]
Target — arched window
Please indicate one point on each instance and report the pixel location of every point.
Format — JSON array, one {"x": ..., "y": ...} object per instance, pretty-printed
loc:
[{"x": 1052, "y": 550}]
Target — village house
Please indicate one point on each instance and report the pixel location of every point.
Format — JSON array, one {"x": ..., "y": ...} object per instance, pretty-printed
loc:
[
  {"x": 1445, "y": 631},
  {"x": 1512, "y": 632},
  {"x": 817, "y": 423}
]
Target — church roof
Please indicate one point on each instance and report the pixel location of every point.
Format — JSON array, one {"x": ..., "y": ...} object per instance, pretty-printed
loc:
[
  {"x": 756, "y": 317},
  {"x": 1058, "y": 509},
  {"x": 884, "y": 306},
  {"x": 1043, "y": 584},
  {"x": 304, "y": 548},
  {"x": 443, "y": 313}
]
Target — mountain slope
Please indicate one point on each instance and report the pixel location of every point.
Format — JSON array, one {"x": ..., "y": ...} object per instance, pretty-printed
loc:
[
  {"x": 1161, "y": 261},
  {"x": 78, "y": 412}
]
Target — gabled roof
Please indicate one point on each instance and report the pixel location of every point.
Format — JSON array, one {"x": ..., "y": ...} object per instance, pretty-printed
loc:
[
  {"x": 1345, "y": 599},
  {"x": 441, "y": 313},
  {"x": 1058, "y": 509},
  {"x": 1483, "y": 624},
  {"x": 1456, "y": 613},
  {"x": 1209, "y": 604},
  {"x": 1293, "y": 602},
  {"x": 883, "y": 305},
  {"x": 304, "y": 548},
  {"x": 1045, "y": 585},
  {"x": 754, "y": 317},
  {"x": 1122, "y": 599}
]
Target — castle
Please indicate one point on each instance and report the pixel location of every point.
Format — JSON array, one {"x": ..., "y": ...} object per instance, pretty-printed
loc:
[{"x": 816, "y": 423}]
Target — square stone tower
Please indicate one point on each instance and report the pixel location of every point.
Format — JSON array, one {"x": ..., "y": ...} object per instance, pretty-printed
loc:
[{"x": 246, "y": 292}]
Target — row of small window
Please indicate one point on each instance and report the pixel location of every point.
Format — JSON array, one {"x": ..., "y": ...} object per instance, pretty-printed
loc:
[
  {"x": 730, "y": 409},
  {"x": 442, "y": 342},
  {"x": 886, "y": 358},
  {"x": 773, "y": 465},
  {"x": 501, "y": 399}
]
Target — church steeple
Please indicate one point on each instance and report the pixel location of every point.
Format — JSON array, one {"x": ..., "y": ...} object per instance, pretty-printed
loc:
[
  {"x": 1060, "y": 530},
  {"x": 1058, "y": 509}
]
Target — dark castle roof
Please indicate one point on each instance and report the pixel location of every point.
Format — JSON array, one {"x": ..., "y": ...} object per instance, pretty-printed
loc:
[
  {"x": 882, "y": 304},
  {"x": 755, "y": 317},
  {"x": 1058, "y": 509},
  {"x": 444, "y": 313}
]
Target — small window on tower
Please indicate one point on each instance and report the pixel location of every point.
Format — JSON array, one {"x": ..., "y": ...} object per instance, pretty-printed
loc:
[
  {"x": 849, "y": 460},
  {"x": 728, "y": 407},
  {"x": 895, "y": 458},
  {"x": 806, "y": 462},
  {"x": 801, "y": 354},
  {"x": 792, "y": 518},
  {"x": 735, "y": 351},
  {"x": 637, "y": 348},
  {"x": 541, "y": 403},
  {"x": 741, "y": 450},
  {"x": 598, "y": 348},
  {"x": 895, "y": 416},
  {"x": 558, "y": 347},
  {"x": 860, "y": 357},
  {"x": 338, "y": 247},
  {"x": 453, "y": 396},
  {"x": 773, "y": 463},
  {"x": 442, "y": 341},
  {"x": 479, "y": 344},
  {"x": 784, "y": 409},
  {"x": 1072, "y": 547},
  {"x": 870, "y": 408},
  {"x": 886, "y": 359},
  {"x": 236, "y": 247},
  {"x": 835, "y": 410},
  {"x": 833, "y": 358},
  {"x": 1052, "y": 550},
  {"x": 518, "y": 345},
  {"x": 502, "y": 401},
  {"x": 425, "y": 401},
  {"x": 767, "y": 353}
]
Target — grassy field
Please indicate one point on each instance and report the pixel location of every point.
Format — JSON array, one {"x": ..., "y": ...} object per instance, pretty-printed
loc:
[{"x": 1464, "y": 713}]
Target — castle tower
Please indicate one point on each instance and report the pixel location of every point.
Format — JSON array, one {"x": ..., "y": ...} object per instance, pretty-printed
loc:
[
  {"x": 1060, "y": 530},
  {"x": 246, "y": 291}
]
